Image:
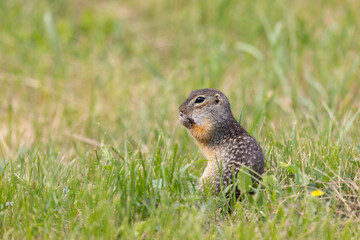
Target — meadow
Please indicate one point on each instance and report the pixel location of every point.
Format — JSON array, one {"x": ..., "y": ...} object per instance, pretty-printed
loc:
[{"x": 90, "y": 142}]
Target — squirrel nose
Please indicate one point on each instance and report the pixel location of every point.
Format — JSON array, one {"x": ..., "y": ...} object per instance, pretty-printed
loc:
[{"x": 182, "y": 108}]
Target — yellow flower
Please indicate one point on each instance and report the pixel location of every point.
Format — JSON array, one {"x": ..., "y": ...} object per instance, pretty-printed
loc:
[{"x": 317, "y": 193}]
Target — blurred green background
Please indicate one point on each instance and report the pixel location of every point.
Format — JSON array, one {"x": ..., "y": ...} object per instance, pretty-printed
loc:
[{"x": 78, "y": 74}]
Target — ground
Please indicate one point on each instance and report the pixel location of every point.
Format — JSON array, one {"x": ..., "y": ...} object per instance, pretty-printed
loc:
[{"x": 91, "y": 146}]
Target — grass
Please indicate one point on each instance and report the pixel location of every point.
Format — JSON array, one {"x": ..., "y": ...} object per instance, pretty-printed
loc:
[{"x": 90, "y": 144}]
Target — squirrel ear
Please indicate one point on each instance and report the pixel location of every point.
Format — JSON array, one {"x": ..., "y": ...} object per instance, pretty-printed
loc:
[{"x": 217, "y": 98}]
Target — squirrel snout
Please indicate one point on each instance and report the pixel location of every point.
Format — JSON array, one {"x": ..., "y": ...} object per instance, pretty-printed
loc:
[
  {"x": 181, "y": 108},
  {"x": 185, "y": 120}
]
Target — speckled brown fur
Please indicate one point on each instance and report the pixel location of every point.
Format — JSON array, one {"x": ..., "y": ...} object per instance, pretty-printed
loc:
[{"x": 221, "y": 138}]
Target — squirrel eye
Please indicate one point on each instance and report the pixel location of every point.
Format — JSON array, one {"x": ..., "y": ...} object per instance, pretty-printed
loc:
[{"x": 199, "y": 100}]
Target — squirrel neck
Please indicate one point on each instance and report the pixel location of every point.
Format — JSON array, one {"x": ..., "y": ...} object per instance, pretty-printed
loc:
[
  {"x": 224, "y": 131},
  {"x": 222, "y": 134}
]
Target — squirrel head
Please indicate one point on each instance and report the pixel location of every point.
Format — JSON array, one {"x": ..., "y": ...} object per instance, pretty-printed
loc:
[{"x": 205, "y": 111}]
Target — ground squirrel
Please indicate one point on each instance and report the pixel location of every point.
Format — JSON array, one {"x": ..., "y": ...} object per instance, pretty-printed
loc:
[{"x": 207, "y": 116}]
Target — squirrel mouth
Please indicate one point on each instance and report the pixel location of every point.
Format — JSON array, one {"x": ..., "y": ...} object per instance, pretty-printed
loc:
[{"x": 185, "y": 120}]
